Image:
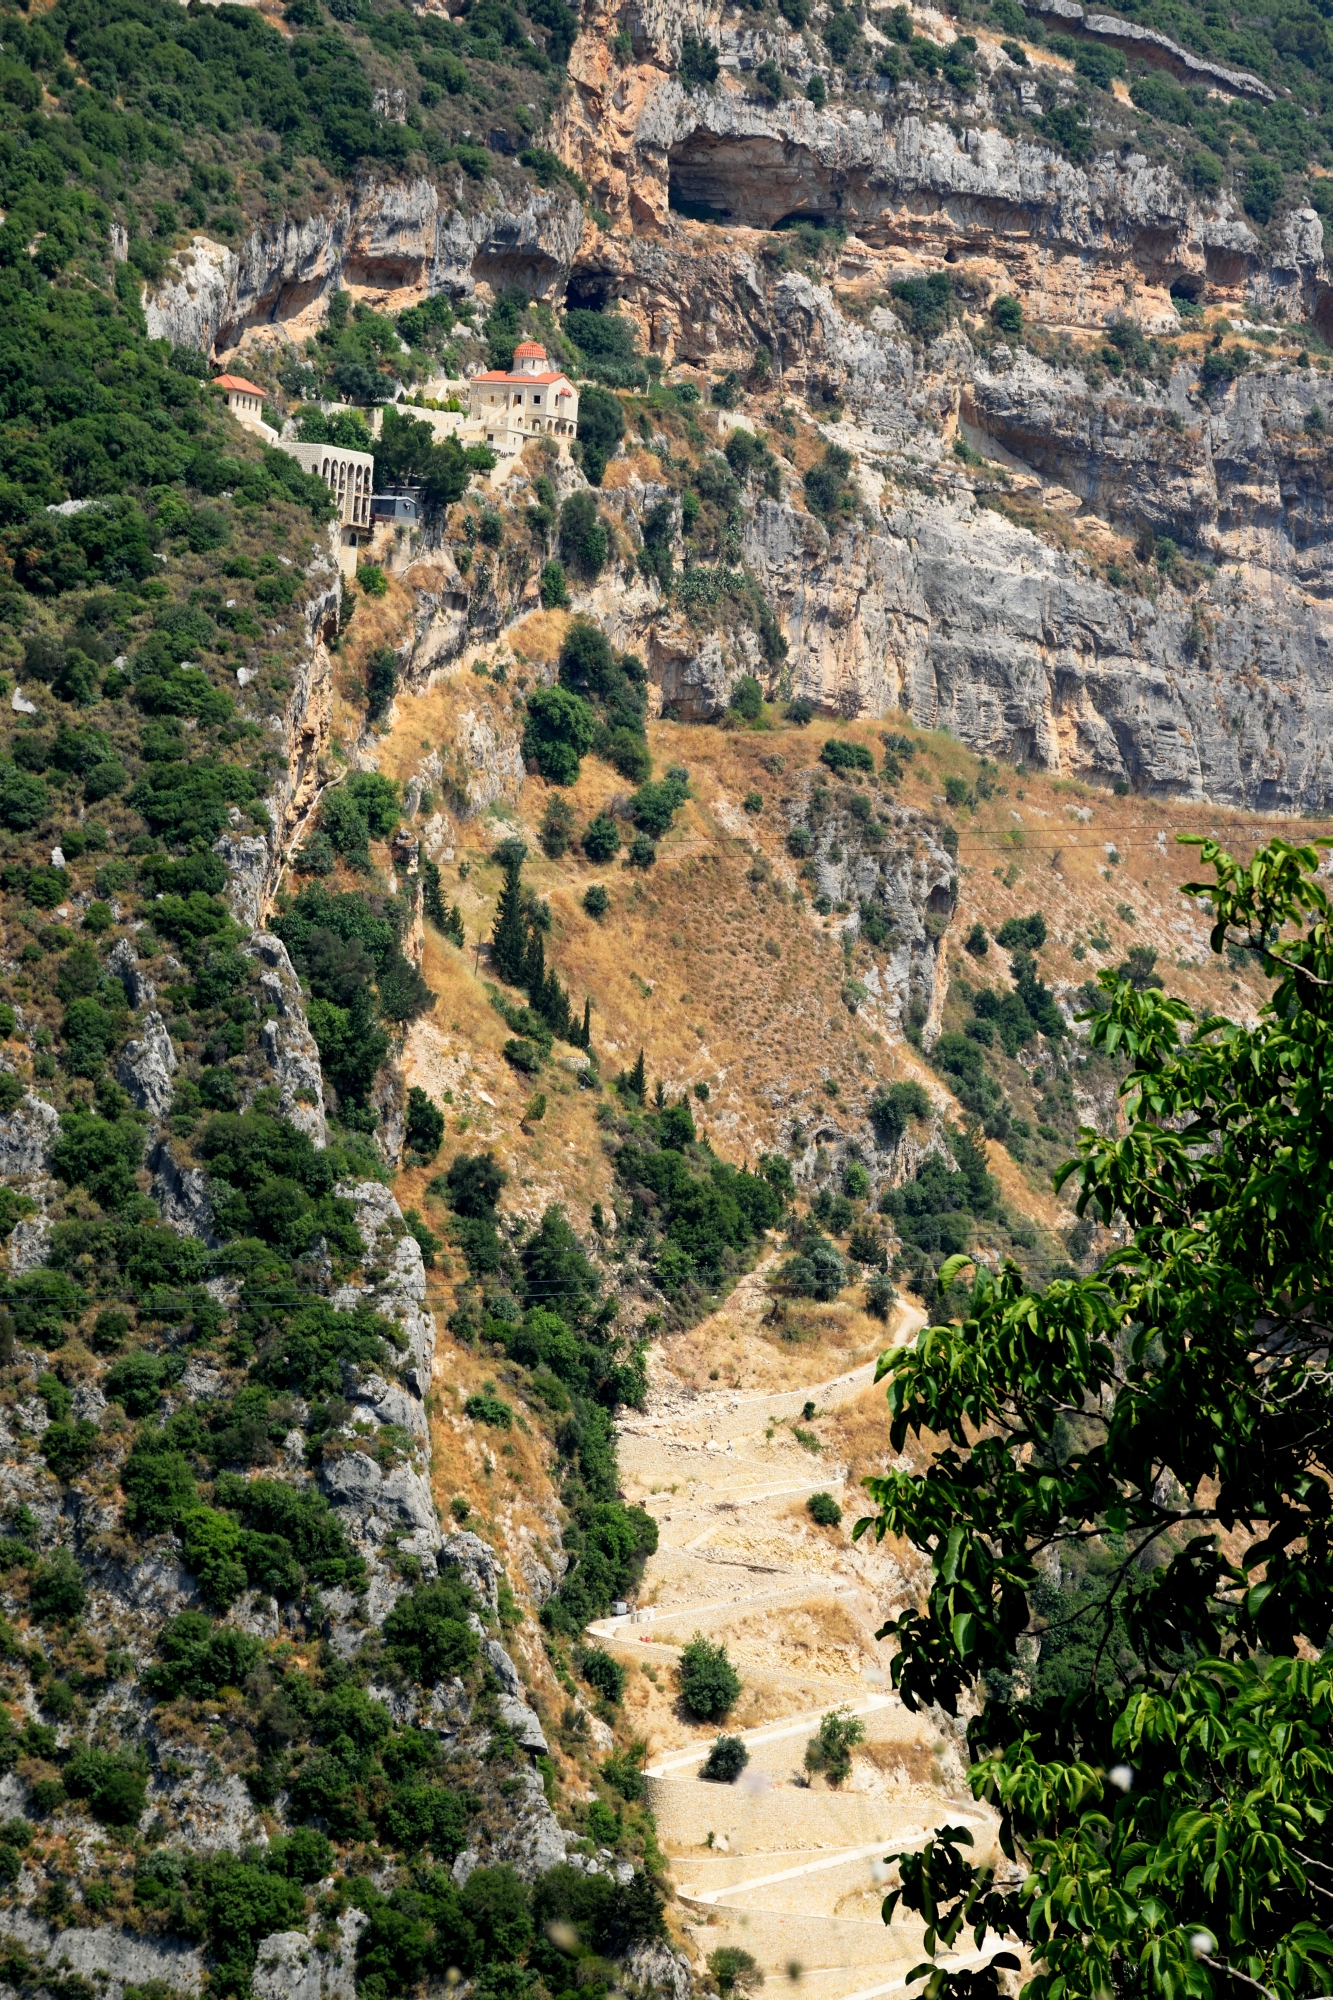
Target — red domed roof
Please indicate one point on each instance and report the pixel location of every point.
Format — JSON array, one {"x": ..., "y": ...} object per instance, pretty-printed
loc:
[{"x": 529, "y": 350}]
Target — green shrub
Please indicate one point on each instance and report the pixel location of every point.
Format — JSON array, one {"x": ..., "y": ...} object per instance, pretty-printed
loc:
[
  {"x": 1264, "y": 186},
  {"x": 427, "y": 1635},
  {"x": 158, "y": 1486},
  {"x": 831, "y": 1750},
  {"x": 654, "y": 806},
  {"x": 891, "y": 1107},
  {"x": 560, "y": 730},
  {"x": 551, "y": 585},
  {"x": 557, "y": 827},
  {"x": 57, "y": 1595},
  {"x": 70, "y": 1448},
  {"x": 212, "y": 1544},
  {"x": 734, "y": 1969},
  {"x": 241, "y": 1903},
  {"x": 198, "y": 1658},
  {"x": 747, "y": 697},
  {"x": 1022, "y": 933},
  {"x": 727, "y": 1758},
  {"x": 115, "y": 1788},
  {"x": 424, "y": 1130},
  {"x": 136, "y": 1382},
  {"x": 601, "y": 426},
  {"x": 1007, "y": 313},
  {"x": 601, "y": 838},
  {"x": 523, "y": 1055},
  {"x": 840, "y": 756},
  {"x": 596, "y": 902},
  {"x": 584, "y": 542},
  {"x": 24, "y": 800},
  {"x": 709, "y": 1684},
  {"x": 489, "y": 1410},
  {"x": 698, "y": 65},
  {"x": 601, "y": 1672},
  {"x": 824, "y": 1510}
]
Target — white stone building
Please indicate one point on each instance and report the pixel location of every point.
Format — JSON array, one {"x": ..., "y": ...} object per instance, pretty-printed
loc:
[
  {"x": 245, "y": 400},
  {"x": 506, "y": 407},
  {"x": 350, "y": 478}
]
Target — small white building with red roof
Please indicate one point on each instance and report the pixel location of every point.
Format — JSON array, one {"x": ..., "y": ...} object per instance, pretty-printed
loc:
[
  {"x": 531, "y": 399},
  {"x": 245, "y": 400}
]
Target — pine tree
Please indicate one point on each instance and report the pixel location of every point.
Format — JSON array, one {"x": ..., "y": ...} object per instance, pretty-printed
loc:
[
  {"x": 636, "y": 1079},
  {"x": 659, "y": 1096},
  {"x": 453, "y": 927},
  {"x": 509, "y": 939}
]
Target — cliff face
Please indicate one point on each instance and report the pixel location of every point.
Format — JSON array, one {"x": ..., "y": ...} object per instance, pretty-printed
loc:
[
  {"x": 942, "y": 598},
  {"x": 377, "y": 235}
]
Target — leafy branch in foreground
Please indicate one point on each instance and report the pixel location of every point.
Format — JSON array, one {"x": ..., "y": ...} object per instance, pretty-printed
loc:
[{"x": 1127, "y": 1511}]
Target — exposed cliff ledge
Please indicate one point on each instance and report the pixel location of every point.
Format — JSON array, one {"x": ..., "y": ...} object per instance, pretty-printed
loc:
[
  {"x": 1152, "y": 46},
  {"x": 389, "y": 235},
  {"x": 910, "y": 182}
]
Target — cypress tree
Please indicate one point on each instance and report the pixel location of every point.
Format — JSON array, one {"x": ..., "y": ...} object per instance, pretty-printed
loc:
[
  {"x": 636, "y": 1080},
  {"x": 585, "y": 1032},
  {"x": 509, "y": 939},
  {"x": 554, "y": 1008},
  {"x": 534, "y": 969}
]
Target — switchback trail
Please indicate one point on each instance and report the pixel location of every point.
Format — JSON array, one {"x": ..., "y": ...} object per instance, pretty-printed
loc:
[{"x": 786, "y": 1867}]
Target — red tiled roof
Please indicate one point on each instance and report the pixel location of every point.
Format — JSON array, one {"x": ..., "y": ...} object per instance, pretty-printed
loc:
[
  {"x": 499, "y": 375},
  {"x": 237, "y": 382},
  {"x": 529, "y": 349}
]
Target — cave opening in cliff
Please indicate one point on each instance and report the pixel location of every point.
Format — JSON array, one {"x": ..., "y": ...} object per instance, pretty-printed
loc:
[
  {"x": 589, "y": 293},
  {"x": 758, "y": 182},
  {"x": 1188, "y": 286}
]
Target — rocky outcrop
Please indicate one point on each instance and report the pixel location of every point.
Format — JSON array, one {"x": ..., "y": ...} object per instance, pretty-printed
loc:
[
  {"x": 139, "y": 988},
  {"x": 111, "y": 1958},
  {"x": 26, "y": 1137},
  {"x": 146, "y": 1067},
  {"x": 903, "y": 172},
  {"x": 890, "y": 872},
  {"x": 289, "y": 1047},
  {"x": 181, "y": 1194},
  {"x": 291, "y": 1966},
  {"x": 380, "y": 234},
  {"x": 1152, "y": 46}
]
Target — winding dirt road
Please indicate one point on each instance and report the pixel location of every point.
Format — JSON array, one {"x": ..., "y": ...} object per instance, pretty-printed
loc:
[{"x": 787, "y": 1868}]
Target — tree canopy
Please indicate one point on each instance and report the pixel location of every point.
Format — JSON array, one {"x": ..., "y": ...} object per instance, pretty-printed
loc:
[{"x": 1127, "y": 1512}]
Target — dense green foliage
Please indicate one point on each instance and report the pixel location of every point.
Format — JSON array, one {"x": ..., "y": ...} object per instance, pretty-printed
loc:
[
  {"x": 1132, "y": 1468},
  {"x": 540, "y": 1298},
  {"x": 694, "y": 1216},
  {"x": 347, "y": 948},
  {"x": 709, "y": 1684}
]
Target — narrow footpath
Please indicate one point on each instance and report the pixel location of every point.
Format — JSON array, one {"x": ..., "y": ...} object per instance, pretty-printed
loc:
[{"x": 780, "y": 1864}]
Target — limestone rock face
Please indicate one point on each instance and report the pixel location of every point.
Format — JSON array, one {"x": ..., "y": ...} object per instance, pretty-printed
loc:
[
  {"x": 652, "y": 1967},
  {"x": 113, "y": 1958},
  {"x": 146, "y": 1067},
  {"x": 289, "y": 1046},
  {"x": 26, "y": 1137},
  {"x": 139, "y": 988},
  {"x": 290, "y": 1966},
  {"x": 385, "y": 233},
  {"x": 247, "y": 862}
]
